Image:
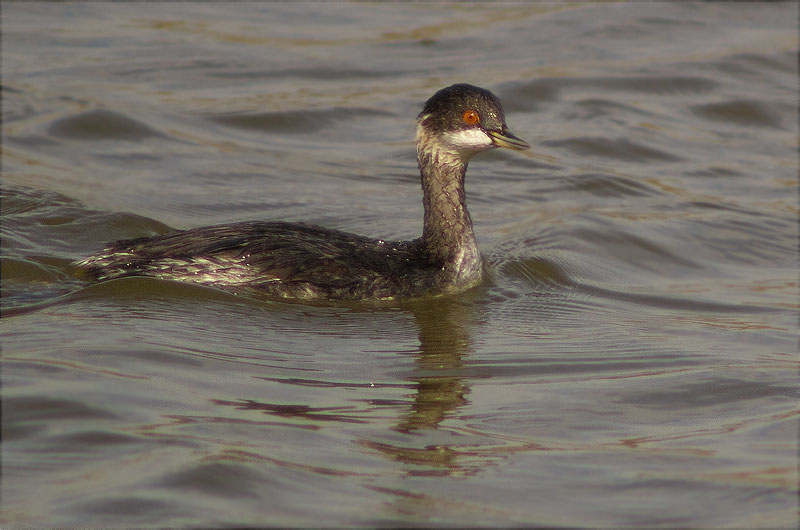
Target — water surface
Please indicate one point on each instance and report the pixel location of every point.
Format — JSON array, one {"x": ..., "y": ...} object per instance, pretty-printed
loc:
[{"x": 632, "y": 360}]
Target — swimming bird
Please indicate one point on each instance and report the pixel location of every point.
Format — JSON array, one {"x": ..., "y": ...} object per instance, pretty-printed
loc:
[{"x": 307, "y": 262}]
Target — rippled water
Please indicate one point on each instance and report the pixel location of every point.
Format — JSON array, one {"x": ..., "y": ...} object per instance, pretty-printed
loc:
[{"x": 633, "y": 360}]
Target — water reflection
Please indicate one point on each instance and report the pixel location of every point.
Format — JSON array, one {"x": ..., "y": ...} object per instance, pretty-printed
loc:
[
  {"x": 438, "y": 383},
  {"x": 446, "y": 327},
  {"x": 295, "y": 411},
  {"x": 444, "y": 337}
]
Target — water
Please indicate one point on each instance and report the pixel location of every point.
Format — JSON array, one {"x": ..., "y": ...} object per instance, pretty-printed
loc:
[{"x": 633, "y": 360}]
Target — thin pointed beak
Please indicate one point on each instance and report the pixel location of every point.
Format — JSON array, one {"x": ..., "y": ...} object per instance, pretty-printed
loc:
[{"x": 508, "y": 140}]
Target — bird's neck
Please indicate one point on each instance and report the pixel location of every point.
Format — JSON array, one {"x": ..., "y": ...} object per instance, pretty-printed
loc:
[{"x": 447, "y": 232}]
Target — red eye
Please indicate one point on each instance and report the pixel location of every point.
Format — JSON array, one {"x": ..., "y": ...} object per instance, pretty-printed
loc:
[{"x": 471, "y": 117}]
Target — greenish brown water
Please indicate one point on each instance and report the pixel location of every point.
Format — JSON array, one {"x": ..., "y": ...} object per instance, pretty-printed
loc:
[{"x": 632, "y": 362}]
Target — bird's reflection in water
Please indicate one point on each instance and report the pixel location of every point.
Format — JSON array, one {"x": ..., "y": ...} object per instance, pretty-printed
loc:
[
  {"x": 443, "y": 337},
  {"x": 446, "y": 328}
]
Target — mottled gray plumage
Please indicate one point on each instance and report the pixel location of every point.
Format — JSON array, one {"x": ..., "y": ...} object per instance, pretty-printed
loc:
[{"x": 306, "y": 262}]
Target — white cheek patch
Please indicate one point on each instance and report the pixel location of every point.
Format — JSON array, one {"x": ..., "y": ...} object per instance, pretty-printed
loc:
[{"x": 468, "y": 139}]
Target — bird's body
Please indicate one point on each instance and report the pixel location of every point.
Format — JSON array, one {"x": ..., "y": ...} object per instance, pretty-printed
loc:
[
  {"x": 282, "y": 260},
  {"x": 307, "y": 262}
]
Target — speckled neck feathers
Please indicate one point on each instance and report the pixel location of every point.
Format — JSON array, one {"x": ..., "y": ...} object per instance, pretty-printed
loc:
[{"x": 447, "y": 232}]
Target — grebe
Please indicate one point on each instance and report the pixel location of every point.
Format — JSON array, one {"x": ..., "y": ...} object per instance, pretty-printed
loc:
[{"x": 307, "y": 262}]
